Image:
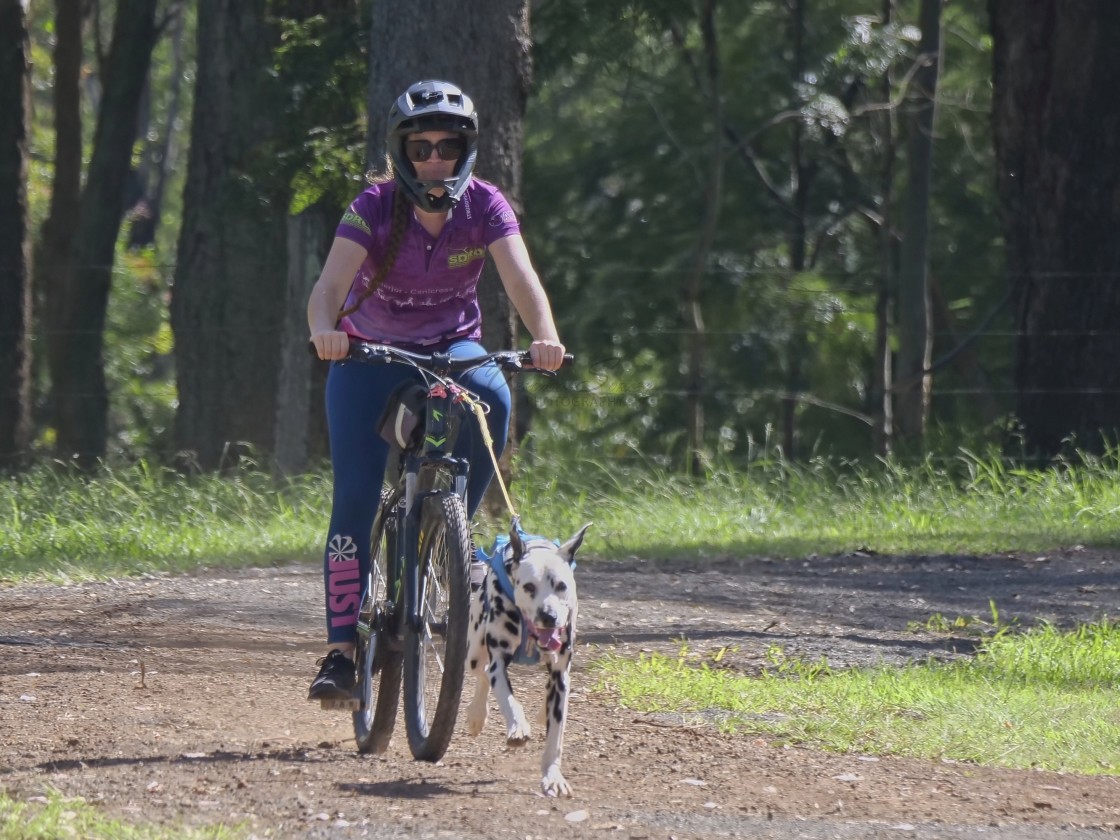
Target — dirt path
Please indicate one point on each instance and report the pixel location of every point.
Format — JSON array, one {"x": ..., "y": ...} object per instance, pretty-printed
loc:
[{"x": 181, "y": 699}]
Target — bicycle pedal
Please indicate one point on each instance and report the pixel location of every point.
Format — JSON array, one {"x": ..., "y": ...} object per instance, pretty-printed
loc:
[{"x": 351, "y": 704}]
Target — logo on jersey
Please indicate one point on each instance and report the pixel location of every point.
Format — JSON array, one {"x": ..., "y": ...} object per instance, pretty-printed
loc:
[
  {"x": 508, "y": 217},
  {"x": 354, "y": 220},
  {"x": 465, "y": 257}
]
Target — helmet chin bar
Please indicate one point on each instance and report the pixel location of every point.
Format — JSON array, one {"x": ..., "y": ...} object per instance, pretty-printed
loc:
[{"x": 423, "y": 198}]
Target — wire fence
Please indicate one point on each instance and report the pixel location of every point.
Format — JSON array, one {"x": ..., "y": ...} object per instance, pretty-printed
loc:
[{"x": 991, "y": 339}]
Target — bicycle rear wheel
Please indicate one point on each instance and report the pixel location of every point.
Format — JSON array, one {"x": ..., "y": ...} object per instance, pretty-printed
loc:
[
  {"x": 435, "y": 657},
  {"x": 378, "y": 650}
]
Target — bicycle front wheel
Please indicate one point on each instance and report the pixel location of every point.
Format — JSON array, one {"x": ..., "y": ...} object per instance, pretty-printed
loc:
[
  {"x": 378, "y": 649},
  {"x": 435, "y": 656}
]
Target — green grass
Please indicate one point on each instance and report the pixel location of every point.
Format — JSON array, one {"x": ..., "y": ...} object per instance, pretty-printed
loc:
[
  {"x": 137, "y": 519},
  {"x": 1045, "y": 698},
  {"x": 55, "y": 817},
  {"x": 58, "y": 525},
  {"x": 968, "y": 505}
]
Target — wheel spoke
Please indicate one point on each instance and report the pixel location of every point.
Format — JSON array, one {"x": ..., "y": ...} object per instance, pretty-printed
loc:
[
  {"x": 434, "y": 672},
  {"x": 430, "y": 645}
]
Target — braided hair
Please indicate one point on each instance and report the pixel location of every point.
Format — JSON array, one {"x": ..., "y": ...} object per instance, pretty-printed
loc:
[{"x": 397, "y": 228}]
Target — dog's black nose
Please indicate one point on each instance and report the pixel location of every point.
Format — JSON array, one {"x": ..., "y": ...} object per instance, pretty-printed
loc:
[{"x": 546, "y": 618}]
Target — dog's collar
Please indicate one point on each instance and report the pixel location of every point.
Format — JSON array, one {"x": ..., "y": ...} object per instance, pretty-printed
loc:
[
  {"x": 528, "y": 652},
  {"x": 501, "y": 558}
]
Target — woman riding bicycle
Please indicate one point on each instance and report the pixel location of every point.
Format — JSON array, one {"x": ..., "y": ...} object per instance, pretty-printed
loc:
[{"x": 403, "y": 270}]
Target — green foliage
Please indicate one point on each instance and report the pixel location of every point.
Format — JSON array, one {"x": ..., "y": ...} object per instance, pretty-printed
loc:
[
  {"x": 618, "y": 148},
  {"x": 41, "y": 135},
  {"x": 138, "y": 360},
  {"x": 321, "y": 64}
]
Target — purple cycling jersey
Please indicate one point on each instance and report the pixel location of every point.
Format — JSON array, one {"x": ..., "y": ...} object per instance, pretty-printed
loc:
[{"x": 430, "y": 295}]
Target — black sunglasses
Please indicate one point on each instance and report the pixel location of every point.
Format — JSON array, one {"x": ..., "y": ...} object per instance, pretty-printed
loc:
[{"x": 449, "y": 148}]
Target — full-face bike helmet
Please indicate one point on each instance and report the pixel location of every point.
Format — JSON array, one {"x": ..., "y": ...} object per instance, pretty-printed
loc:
[{"x": 432, "y": 106}]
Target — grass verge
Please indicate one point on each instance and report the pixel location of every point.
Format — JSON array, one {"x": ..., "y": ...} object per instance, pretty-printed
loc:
[
  {"x": 1041, "y": 699},
  {"x": 54, "y": 817},
  {"x": 141, "y": 518}
]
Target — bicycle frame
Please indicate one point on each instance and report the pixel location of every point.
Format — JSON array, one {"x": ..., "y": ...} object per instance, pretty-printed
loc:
[{"x": 441, "y": 402}]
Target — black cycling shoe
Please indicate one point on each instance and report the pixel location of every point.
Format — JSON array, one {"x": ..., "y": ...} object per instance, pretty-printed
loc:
[{"x": 335, "y": 680}]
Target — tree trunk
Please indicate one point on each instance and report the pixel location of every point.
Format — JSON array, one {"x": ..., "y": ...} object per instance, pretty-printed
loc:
[
  {"x": 227, "y": 308},
  {"x": 915, "y": 335},
  {"x": 15, "y": 243},
  {"x": 77, "y": 366},
  {"x": 488, "y": 56},
  {"x": 160, "y": 157},
  {"x": 54, "y": 250},
  {"x": 1056, "y": 122}
]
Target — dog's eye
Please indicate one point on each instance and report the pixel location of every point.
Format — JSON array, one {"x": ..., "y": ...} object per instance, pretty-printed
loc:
[
  {"x": 530, "y": 589},
  {"x": 561, "y": 587}
]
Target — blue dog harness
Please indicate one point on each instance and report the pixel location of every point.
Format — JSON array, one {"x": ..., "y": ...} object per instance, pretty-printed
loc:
[{"x": 528, "y": 653}]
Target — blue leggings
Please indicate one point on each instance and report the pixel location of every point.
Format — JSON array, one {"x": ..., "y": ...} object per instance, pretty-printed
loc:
[{"x": 357, "y": 394}]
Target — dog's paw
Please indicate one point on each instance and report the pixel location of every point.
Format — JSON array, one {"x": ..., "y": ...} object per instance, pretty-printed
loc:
[
  {"x": 476, "y": 720},
  {"x": 554, "y": 784},
  {"x": 519, "y": 733}
]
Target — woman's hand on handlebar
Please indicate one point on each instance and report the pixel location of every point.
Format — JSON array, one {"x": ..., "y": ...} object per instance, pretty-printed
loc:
[
  {"x": 331, "y": 344},
  {"x": 547, "y": 354}
]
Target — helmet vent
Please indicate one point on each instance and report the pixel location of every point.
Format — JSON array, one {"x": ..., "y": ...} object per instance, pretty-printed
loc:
[{"x": 427, "y": 97}]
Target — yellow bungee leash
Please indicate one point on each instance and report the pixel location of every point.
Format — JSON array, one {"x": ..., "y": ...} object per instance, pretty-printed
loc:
[{"x": 479, "y": 412}]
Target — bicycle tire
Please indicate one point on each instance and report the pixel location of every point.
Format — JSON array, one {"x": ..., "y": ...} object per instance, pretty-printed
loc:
[
  {"x": 379, "y": 656},
  {"x": 435, "y": 658}
]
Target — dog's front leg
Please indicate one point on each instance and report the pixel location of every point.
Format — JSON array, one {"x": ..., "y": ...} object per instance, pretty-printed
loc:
[
  {"x": 478, "y": 657},
  {"x": 478, "y": 709},
  {"x": 553, "y": 782},
  {"x": 517, "y": 727}
]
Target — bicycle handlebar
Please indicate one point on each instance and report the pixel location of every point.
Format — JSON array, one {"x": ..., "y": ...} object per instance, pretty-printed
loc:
[{"x": 509, "y": 360}]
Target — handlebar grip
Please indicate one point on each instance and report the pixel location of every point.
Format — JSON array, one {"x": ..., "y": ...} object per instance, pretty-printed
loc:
[{"x": 356, "y": 350}]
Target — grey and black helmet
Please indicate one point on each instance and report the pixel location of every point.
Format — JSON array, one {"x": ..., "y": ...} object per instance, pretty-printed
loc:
[{"x": 432, "y": 106}]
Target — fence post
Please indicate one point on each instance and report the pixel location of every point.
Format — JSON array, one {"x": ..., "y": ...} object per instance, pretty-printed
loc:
[{"x": 306, "y": 239}]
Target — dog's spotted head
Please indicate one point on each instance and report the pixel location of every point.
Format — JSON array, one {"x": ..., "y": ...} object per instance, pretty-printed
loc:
[{"x": 544, "y": 585}]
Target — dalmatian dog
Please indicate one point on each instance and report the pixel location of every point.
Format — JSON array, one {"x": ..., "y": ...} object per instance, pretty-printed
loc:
[{"x": 532, "y": 618}]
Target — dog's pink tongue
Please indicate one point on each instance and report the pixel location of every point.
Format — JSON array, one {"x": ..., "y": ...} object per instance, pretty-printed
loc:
[{"x": 549, "y": 639}]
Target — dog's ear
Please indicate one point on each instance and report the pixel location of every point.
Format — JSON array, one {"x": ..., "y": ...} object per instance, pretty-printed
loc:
[
  {"x": 517, "y": 547},
  {"x": 568, "y": 549}
]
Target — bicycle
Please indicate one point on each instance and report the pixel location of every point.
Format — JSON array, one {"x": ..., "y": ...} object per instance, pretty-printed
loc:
[{"x": 416, "y": 600}]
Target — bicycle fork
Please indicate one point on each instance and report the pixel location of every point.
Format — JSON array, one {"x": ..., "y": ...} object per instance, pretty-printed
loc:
[{"x": 414, "y": 595}]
